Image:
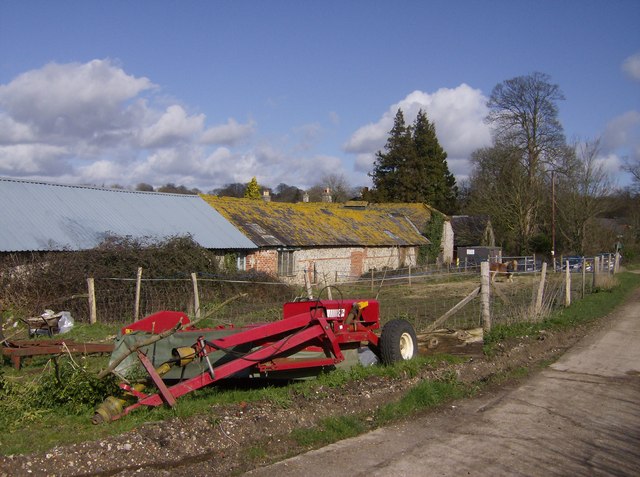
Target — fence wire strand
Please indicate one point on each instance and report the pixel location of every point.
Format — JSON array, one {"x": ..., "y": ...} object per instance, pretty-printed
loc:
[{"x": 420, "y": 296}]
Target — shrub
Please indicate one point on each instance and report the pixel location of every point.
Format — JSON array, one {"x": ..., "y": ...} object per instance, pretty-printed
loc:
[{"x": 57, "y": 280}]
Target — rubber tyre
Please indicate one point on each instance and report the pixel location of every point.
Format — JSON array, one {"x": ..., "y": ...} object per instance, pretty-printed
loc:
[{"x": 398, "y": 341}]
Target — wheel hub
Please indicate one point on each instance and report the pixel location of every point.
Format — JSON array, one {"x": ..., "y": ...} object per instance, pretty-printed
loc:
[{"x": 406, "y": 346}]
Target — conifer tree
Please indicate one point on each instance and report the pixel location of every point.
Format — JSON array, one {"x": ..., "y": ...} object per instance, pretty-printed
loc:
[
  {"x": 435, "y": 185},
  {"x": 253, "y": 189},
  {"x": 414, "y": 167},
  {"x": 389, "y": 180}
]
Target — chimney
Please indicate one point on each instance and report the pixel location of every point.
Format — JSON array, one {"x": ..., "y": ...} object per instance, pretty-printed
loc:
[
  {"x": 305, "y": 197},
  {"x": 266, "y": 197},
  {"x": 326, "y": 195}
]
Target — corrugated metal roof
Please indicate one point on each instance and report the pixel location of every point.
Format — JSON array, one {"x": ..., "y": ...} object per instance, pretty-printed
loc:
[
  {"x": 274, "y": 224},
  {"x": 42, "y": 216}
]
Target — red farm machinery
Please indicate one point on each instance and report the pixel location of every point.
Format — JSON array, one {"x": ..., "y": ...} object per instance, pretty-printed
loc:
[{"x": 163, "y": 356}]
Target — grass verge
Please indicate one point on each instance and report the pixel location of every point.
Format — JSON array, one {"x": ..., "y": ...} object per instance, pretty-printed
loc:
[
  {"x": 592, "y": 307},
  {"x": 38, "y": 413},
  {"x": 29, "y": 426}
]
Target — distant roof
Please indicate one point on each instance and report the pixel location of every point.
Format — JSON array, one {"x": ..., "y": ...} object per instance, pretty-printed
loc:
[
  {"x": 41, "y": 216},
  {"x": 312, "y": 224}
]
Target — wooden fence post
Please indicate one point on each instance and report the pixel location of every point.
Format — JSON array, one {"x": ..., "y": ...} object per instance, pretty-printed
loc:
[
  {"x": 372, "y": 280},
  {"x": 584, "y": 275},
  {"x": 196, "y": 295},
  {"x": 567, "y": 285},
  {"x": 485, "y": 286},
  {"x": 136, "y": 312},
  {"x": 616, "y": 264},
  {"x": 93, "y": 314},
  {"x": 326, "y": 285},
  {"x": 537, "y": 309},
  {"x": 307, "y": 285},
  {"x": 409, "y": 274}
]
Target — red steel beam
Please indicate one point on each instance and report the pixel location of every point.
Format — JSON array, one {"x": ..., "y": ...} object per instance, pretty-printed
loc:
[{"x": 228, "y": 369}]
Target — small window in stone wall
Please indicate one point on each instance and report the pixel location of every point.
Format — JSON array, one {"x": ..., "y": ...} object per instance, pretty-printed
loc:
[{"x": 285, "y": 263}]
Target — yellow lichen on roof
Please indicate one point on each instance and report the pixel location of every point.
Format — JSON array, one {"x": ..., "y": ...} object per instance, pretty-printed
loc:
[{"x": 316, "y": 223}]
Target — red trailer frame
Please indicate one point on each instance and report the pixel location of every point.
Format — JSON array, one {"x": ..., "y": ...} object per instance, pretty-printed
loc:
[{"x": 328, "y": 326}]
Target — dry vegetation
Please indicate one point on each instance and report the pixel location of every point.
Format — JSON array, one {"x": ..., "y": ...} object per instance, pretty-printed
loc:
[{"x": 32, "y": 283}]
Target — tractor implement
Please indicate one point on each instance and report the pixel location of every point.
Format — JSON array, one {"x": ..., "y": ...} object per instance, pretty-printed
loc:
[{"x": 311, "y": 337}]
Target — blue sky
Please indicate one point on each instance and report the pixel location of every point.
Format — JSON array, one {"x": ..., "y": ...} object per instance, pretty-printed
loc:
[{"x": 203, "y": 93}]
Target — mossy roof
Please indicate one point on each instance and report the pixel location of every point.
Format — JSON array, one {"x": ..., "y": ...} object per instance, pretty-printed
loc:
[
  {"x": 314, "y": 224},
  {"x": 419, "y": 214}
]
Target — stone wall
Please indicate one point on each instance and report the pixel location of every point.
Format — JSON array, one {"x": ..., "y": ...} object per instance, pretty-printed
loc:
[{"x": 333, "y": 265}]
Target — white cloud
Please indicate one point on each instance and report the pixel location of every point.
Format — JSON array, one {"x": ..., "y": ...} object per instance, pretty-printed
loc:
[
  {"x": 13, "y": 132},
  {"x": 622, "y": 132},
  {"x": 102, "y": 172},
  {"x": 177, "y": 165},
  {"x": 94, "y": 123},
  {"x": 228, "y": 134},
  {"x": 272, "y": 166},
  {"x": 458, "y": 115},
  {"x": 31, "y": 159},
  {"x": 364, "y": 162},
  {"x": 610, "y": 163},
  {"x": 216, "y": 164},
  {"x": 172, "y": 127},
  {"x": 370, "y": 137},
  {"x": 621, "y": 142},
  {"x": 72, "y": 100},
  {"x": 631, "y": 66}
]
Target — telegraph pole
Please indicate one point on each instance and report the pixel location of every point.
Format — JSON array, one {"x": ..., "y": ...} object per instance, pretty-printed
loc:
[{"x": 553, "y": 218}]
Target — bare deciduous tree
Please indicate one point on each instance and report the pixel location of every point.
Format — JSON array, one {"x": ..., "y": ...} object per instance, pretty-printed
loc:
[
  {"x": 581, "y": 191},
  {"x": 499, "y": 188},
  {"x": 633, "y": 167},
  {"x": 338, "y": 186},
  {"x": 524, "y": 117}
]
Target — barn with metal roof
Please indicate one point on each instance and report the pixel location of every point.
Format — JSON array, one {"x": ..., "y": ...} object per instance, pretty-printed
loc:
[{"x": 39, "y": 216}]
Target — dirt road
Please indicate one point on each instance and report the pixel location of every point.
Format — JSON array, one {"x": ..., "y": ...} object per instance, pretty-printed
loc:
[{"x": 581, "y": 416}]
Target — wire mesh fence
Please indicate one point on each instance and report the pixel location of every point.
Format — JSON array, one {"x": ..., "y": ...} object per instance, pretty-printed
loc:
[
  {"x": 419, "y": 295},
  {"x": 421, "y": 301},
  {"x": 256, "y": 300}
]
